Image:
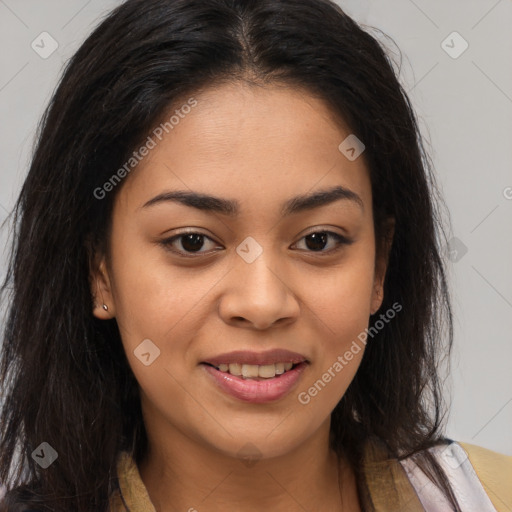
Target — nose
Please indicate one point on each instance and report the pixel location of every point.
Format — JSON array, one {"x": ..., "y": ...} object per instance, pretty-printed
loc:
[{"x": 258, "y": 295}]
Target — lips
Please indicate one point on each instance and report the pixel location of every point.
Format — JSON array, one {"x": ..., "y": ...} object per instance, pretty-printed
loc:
[
  {"x": 256, "y": 377},
  {"x": 268, "y": 357}
]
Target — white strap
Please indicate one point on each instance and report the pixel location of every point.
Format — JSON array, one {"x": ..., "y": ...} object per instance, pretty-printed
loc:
[{"x": 462, "y": 476}]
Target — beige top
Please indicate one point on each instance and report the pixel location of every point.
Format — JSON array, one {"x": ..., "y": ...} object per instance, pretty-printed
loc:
[{"x": 481, "y": 479}]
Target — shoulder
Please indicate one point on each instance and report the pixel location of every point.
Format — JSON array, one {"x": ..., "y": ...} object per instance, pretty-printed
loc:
[
  {"x": 479, "y": 478},
  {"x": 494, "y": 470},
  {"x": 131, "y": 493}
]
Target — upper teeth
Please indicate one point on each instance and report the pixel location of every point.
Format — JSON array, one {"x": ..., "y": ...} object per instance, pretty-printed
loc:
[{"x": 255, "y": 370}]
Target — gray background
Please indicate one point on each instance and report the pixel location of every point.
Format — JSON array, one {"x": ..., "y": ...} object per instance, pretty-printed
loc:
[{"x": 465, "y": 110}]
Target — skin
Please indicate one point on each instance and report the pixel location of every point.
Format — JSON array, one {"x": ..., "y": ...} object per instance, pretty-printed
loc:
[{"x": 238, "y": 136}]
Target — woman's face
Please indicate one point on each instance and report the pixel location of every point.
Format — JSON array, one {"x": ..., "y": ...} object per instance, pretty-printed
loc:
[{"x": 252, "y": 280}]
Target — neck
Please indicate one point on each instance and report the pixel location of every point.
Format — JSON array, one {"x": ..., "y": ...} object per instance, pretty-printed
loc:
[{"x": 182, "y": 474}]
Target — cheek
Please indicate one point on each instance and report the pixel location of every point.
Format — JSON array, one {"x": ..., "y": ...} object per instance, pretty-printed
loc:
[
  {"x": 343, "y": 294},
  {"x": 154, "y": 299},
  {"x": 159, "y": 304},
  {"x": 159, "y": 310},
  {"x": 342, "y": 302}
]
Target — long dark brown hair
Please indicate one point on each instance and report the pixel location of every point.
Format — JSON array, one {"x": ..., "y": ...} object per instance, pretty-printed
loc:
[{"x": 66, "y": 380}]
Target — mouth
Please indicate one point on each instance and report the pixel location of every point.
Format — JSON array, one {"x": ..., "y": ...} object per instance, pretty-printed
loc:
[
  {"x": 254, "y": 371},
  {"x": 256, "y": 377}
]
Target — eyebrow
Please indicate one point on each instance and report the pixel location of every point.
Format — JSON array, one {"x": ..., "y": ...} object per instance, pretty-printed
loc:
[{"x": 231, "y": 207}]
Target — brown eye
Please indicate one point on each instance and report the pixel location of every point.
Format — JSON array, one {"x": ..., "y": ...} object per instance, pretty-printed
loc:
[
  {"x": 318, "y": 240},
  {"x": 192, "y": 242},
  {"x": 187, "y": 243}
]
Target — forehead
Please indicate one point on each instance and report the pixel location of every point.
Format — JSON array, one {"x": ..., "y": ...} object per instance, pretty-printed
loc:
[{"x": 257, "y": 144}]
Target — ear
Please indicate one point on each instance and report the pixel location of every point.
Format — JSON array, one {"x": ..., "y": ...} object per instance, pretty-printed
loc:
[
  {"x": 100, "y": 283},
  {"x": 383, "y": 248}
]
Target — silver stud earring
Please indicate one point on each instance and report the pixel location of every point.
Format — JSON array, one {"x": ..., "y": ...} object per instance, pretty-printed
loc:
[{"x": 105, "y": 307}]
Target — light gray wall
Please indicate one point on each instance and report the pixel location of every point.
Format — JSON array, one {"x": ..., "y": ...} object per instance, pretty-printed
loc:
[{"x": 465, "y": 108}]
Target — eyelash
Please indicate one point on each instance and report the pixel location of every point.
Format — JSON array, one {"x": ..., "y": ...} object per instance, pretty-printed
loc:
[{"x": 341, "y": 241}]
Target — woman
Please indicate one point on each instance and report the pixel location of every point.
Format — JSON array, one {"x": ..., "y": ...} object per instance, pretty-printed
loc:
[{"x": 227, "y": 289}]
